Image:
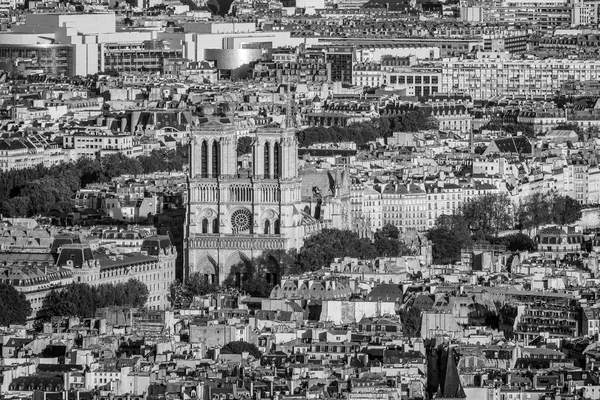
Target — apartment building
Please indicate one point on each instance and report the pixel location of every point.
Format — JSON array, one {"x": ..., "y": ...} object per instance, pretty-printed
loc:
[
  {"x": 498, "y": 75},
  {"x": 20, "y": 153},
  {"x": 371, "y": 206},
  {"x": 544, "y": 15},
  {"x": 35, "y": 276},
  {"x": 154, "y": 266},
  {"x": 368, "y": 74},
  {"x": 404, "y": 206},
  {"x": 442, "y": 199},
  {"x": 96, "y": 143}
]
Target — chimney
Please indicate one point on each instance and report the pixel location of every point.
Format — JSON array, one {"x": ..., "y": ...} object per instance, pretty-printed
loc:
[
  {"x": 99, "y": 121},
  {"x": 123, "y": 123}
]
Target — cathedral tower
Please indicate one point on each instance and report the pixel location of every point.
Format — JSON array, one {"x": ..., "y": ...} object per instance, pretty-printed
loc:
[{"x": 239, "y": 224}]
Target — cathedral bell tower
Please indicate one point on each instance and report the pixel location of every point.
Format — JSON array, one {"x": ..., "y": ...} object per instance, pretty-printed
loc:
[{"x": 241, "y": 224}]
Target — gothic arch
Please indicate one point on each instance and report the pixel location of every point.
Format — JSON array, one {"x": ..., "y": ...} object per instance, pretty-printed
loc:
[
  {"x": 207, "y": 266},
  {"x": 270, "y": 269},
  {"x": 238, "y": 268}
]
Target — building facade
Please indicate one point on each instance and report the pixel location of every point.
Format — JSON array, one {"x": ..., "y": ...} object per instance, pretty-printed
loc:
[{"x": 242, "y": 223}]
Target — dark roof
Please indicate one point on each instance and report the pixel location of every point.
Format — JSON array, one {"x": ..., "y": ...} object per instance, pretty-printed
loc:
[
  {"x": 76, "y": 253},
  {"x": 513, "y": 144},
  {"x": 450, "y": 386},
  {"x": 153, "y": 244},
  {"x": 386, "y": 291}
]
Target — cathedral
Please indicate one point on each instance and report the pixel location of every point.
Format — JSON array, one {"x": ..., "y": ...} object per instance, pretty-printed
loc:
[{"x": 242, "y": 222}]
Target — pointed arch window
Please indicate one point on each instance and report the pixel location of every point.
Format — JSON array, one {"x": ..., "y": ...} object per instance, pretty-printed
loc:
[
  {"x": 276, "y": 160},
  {"x": 277, "y": 227},
  {"x": 204, "y": 225},
  {"x": 267, "y": 227},
  {"x": 216, "y": 157},
  {"x": 267, "y": 160},
  {"x": 204, "y": 159},
  {"x": 215, "y": 225}
]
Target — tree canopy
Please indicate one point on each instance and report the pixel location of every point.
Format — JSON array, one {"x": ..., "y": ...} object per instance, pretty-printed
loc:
[
  {"x": 322, "y": 248},
  {"x": 239, "y": 347},
  {"x": 449, "y": 234},
  {"x": 413, "y": 120},
  {"x": 40, "y": 190},
  {"x": 196, "y": 285},
  {"x": 411, "y": 321},
  {"x": 488, "y": 214},
  {"x": 517, "y": 242},
  {"x": 14, "y": 307},
  {"x": 82, "y": 300},
  {"x": 542, "y": 209}
]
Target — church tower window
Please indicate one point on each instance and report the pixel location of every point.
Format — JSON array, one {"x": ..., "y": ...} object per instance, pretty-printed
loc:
[
  {"x": 215, "y": 158},
  {"x": 276, "y": 160},
  {"x": 204, "y": 159},
  {"x": 215, "y": 225},
  {"x": 204, "y": 225},
  {"x": 267, "y": 227},
  {"x": 267, "y": 159},
  {"x": 277, "y": 226}
]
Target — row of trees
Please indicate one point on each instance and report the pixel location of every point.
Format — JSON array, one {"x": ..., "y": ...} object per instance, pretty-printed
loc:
[
  {"x": 541, "y": 209},
  {"x": 322, "y": 248},
  {"x": 183, "y": 293},
  {"x": 482, "y": 218},
  {"x": 41, "y": 190},
  {"x": 362, "y": 132},
  {"x": 82, "y": 300}
]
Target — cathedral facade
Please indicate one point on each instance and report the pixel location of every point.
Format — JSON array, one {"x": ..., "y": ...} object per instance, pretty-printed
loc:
[{"x": 242, "y": 222}]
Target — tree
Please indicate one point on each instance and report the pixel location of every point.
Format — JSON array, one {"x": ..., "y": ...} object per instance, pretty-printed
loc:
[
  {"x": 534, "y": 211},
  {"x": 487, "y": 215},
  {"x": 74, "y": 300},
  {"x": 239, "y": 347},
  {"x": 322, "y": 248},
  {"x": 16, "y": 207},
  {"x": 82, "y": 300},
  {"x": 518, "y": 242},
  {"x": 417, "y": 119},
  {"x": 257, "y": 286},
  {"x": 135, "y": 293},
  {"x": 389, "y": 231},
  {"x": 14, "y": 307},
  {"x": 449, "y": 235},
  {"x": 198, "y": 285},
  {"x": 387, "y": 243},
  {"x": 411, "y": 321},
  {"x": 565, "y": 210}
]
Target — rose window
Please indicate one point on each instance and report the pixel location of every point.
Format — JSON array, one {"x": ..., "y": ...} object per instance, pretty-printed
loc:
[{"x": 241, "y": 220}]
